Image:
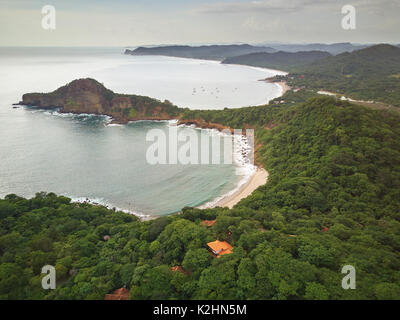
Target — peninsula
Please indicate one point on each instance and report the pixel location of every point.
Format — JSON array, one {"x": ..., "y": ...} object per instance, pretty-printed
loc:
[
  {"x": 90, "y": 96},
  {"x": 212, "y": 52}
]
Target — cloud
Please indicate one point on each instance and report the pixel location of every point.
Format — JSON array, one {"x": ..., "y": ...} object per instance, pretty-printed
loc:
[
  {"x": 254, "y": 24},
  {"x": 287, "y": 6},
  {"x": 272, "y": 6},
  {"x": 124, "y": 22}
]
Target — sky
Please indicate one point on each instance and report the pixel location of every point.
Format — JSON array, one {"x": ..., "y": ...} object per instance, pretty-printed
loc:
[{"x": 161, "y": 22}]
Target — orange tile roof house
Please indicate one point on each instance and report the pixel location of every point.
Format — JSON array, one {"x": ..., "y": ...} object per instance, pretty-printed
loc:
[
  {"x": 208, "y": 223},
  {"x": 119, "y": 294},
  {"x": 220, "y": 248},
  {"x": 177, "y": 269}
]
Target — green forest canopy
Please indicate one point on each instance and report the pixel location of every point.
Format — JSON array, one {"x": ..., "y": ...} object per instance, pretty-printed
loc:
[{"x": 333, "y": 199}]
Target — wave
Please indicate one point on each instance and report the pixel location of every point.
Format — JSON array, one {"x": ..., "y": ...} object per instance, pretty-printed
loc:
[
  {"x": 115, "y": 125},
  {"x": 170, "y": 122},
  {"x": 79, "y": 116},
  {"x": 104, "y": 203},
  {"x": 244, "y": 168}
]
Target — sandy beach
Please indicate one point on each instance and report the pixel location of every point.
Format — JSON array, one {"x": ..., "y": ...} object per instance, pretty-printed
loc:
[
  {"x": 259, "y": 178},
  {"x": 284, "y": 86}
]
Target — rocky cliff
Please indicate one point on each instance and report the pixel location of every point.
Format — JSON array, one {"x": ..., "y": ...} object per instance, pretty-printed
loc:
[{"x": 90, "y": 96}]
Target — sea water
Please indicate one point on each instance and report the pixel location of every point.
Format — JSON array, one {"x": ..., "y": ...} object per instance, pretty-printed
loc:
[{"x": 85, "y": 157}]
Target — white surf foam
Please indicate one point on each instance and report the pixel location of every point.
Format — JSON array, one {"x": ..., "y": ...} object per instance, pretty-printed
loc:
[
  {"x": 104, "y": 203},
  {"x": 244, "y": 168}
]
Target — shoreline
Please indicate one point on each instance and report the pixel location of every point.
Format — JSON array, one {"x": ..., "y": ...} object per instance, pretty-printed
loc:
[
  {"x": 256, "y": 180},
  {"x": 284, "y": 86},
  {"x": 244, "y": 188},
  {"x": 281, "y": 84},
  {"x": 241, "y": 190},
  {"x": 246, "y": 185}
]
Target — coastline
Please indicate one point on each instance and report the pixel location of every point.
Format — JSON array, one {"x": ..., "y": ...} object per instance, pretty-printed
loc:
[
  {"x": 284, "y": 86},
  {"x": 281, "y": 84},
  {"x": 254, "y": 177},
  {"x": 244, "y": 188},
  {"x": 258, "y": 179}
]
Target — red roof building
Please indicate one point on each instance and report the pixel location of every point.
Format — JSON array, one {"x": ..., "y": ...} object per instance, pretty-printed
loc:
[
  {"x": 119, "y": 294},
  {"x": 219, "y": 248},
  {"x": 177, "y": 269},
  {"x": 208, "y": 223}
]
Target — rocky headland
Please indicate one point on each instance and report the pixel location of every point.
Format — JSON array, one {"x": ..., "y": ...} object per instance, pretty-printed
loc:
[{"x": 90, "y": 96}]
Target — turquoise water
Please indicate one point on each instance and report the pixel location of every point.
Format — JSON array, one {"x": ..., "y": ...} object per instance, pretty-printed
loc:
[{"x": 83, "y": 156}]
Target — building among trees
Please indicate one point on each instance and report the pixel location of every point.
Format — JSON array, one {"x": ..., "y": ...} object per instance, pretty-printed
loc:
[
  {"x": 119, "y": 294},
  {"x": 219, "y": 248}
]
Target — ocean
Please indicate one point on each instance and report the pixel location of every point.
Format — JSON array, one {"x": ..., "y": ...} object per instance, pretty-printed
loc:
[{"x": 84, "y": 157}]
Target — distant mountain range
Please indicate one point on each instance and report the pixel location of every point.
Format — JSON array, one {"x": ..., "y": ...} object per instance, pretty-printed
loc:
[
  {"x": 335, "y": 48},
  {"x": 221, "y": 52},
  {"x": 361, "y": 72},
  {"x": 371, "y": 73},
  {"x": 213, "y": 52},
  {"x": 278, "y": 60}
]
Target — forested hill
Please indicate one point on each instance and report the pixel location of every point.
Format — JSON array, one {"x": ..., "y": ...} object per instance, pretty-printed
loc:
[
  {"x": 368, "y": 74},
  {"x": 279, "y": 60},
  {"x": 333, "y": 48},
  {"x": 212, "y": 52},
  {"x": 333, "y": 199},
  {"x": 379, "y": 60}
]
